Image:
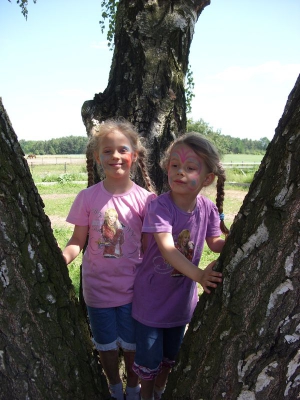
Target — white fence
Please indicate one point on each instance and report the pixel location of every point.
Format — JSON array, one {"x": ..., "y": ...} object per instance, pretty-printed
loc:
[
  {"x": 241, "y": 165},
  {"x": 40, "y": 160},
  {"x": 47, "y": 160}
]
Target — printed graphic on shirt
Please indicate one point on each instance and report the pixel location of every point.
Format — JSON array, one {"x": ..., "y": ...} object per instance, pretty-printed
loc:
[
  {"x": 185, "y": 246},
  {"x": 161, "y": 266},
  {"x": 112, "y": 234}
]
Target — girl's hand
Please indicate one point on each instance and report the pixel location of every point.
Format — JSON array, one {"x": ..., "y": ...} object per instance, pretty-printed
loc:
[{"x": 210, "y": 278}]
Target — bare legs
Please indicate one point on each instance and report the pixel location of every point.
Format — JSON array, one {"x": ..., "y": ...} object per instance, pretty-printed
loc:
[
  {"x": 132, "y": 378},
  {"x": 148, "y": 386},
  {"x": 110, "y": 362}
]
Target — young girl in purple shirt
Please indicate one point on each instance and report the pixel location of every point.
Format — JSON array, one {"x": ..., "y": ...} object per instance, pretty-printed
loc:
[{"x": 165, "y": 289}]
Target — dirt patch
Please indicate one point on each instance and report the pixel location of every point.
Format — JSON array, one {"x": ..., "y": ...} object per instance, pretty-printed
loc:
[
  {"x": 235, "y": 194},
  {"x": 229, "y": 193},
  {"x": 56, "y": 196},
  {"x": 59, "y": 222},
  {"x": 56, "y": 221}
]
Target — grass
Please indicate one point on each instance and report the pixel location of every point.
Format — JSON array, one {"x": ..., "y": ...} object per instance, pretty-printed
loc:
[
  {"x": 60, "y": 194},
  {"x": 232, "y": 203},
  {"x": 60, "y": 173},
  {"x": 64, "y": 172},
  {"x": 240, "y": 176},
  {"x": 57, "y": 188},
  {"x": 62, "y": 236},
  {"x": 242, "y": 158},
  {"x": 58, "y": 199},
  {"x": 58, "y": 206}
]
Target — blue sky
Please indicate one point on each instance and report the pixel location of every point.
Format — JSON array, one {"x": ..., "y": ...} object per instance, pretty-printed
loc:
[{"x": 245, "y": 58}]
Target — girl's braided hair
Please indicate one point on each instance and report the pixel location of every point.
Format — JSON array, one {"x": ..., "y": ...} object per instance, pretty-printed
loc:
[
  {"x": 128, "y": 130},
  {"x": 207, "y": 151}
]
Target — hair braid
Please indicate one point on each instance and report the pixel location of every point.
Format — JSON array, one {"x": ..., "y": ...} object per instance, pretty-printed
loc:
[
  {"x": 90, "y": 166},
  {"x": 220, "y": 195},
  {"x": 143, "y": 168}
]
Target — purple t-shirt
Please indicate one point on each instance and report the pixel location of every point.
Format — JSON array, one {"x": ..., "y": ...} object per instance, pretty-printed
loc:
[
  {"x": 162, "y": 297},
  {"x": 113, "y": 253}
]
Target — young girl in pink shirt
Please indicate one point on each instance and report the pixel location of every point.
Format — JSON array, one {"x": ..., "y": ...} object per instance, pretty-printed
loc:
[{"x": 110, "y": 214}]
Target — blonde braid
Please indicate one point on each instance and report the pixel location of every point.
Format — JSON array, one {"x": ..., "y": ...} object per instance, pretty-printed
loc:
[
  {"x": 220, "y": 196},
  {"x": 144, "y": 170},
  {"x": 90, "y": 166}
]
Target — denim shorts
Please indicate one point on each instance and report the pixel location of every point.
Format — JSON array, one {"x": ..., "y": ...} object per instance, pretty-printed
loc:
[
  {"x": 112, "y": 328},
  {"x": 156, "y": 348}
]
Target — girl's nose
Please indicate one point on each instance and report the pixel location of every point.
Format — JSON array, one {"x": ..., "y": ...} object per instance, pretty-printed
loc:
[
  {"x": 115, "y": 154},
  {"x": 180, "y": 171}
]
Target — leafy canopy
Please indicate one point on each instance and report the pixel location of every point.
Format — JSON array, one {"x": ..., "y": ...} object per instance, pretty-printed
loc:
[
  {"x": 23, "y": 4},
  {"x": 109, "y": 8}
]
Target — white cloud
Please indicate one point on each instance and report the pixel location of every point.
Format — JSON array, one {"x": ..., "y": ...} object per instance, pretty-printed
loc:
[
  {"x": 103, "y": 45},
  {"x": 244, "y": 102},
  {"x": 73, "y": 93},
  {"x": 273, "y": 69}
]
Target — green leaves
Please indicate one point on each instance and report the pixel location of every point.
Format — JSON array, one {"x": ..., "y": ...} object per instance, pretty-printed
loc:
[
  {"x": 189, "y": 89},
  {"x": 23, "y": 4},
  {"x": 109, "y": 13}
]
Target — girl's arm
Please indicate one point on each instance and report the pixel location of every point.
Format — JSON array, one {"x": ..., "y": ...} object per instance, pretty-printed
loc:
[
  {"x": 215, "y": 244},
  {"x": 207, "y": 278},
  {"x": 76, "y": 243}
]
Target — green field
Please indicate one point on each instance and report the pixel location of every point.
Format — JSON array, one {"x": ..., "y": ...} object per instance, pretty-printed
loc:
[
  {"x": 58, "y": 172},
  {"x": 58, "y": 185},
  {"x": 58, "y": 198},
  {"x": 242, "y": 158},
  {"x": 70, "y": 172}
]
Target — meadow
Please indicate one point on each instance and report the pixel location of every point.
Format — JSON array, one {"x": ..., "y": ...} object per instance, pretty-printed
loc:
[
  {"x": 58, "y": 190},
  {"x": 242, "y": 158},
  {"x": 240, "y": 168}
]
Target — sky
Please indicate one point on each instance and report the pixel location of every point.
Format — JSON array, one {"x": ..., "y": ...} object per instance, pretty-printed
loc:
[{"x": 245, "y": 58}]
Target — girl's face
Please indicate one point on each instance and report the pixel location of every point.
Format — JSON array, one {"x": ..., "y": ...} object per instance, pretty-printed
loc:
[
  {"x": 187, "y": 172},
  {"x": 185, "y": 240},
  {"x": 116, "y": 155},
  {"x": 111, "y": 219}
]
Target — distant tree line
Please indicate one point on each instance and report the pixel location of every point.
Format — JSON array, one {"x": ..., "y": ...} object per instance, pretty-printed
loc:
[
  {"x": 227, "y": 144},
  {"x": 77, "y": 144},
  {"x": 64, "y": 145}
]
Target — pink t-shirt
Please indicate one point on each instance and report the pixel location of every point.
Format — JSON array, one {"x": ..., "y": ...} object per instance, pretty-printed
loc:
[
  {"x": 113, "y": 253},
  {"x": 163, "y": 297}
]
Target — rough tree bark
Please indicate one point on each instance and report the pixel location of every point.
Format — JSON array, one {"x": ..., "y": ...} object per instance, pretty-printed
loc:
[
  {"x": 243, "y": 341},
  {"x": 45, "y": 348},
  {"x": 146, "y": 81}
]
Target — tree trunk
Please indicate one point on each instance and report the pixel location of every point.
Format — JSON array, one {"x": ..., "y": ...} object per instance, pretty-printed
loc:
[
  {"x": 147, "y": 77},
  {"x": 45, "y": 348},
  {"x": 243, "y": 341}
]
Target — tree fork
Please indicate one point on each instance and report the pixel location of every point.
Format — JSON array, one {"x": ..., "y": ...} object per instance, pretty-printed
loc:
[
  {"x": 243, "y": 341},
  {"x": 45, "y": 347},
  {"x": 147, "y": 76}
]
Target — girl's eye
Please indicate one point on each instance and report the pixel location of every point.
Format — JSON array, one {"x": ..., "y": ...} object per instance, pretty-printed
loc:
[{"x": 174, "y": 165}]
